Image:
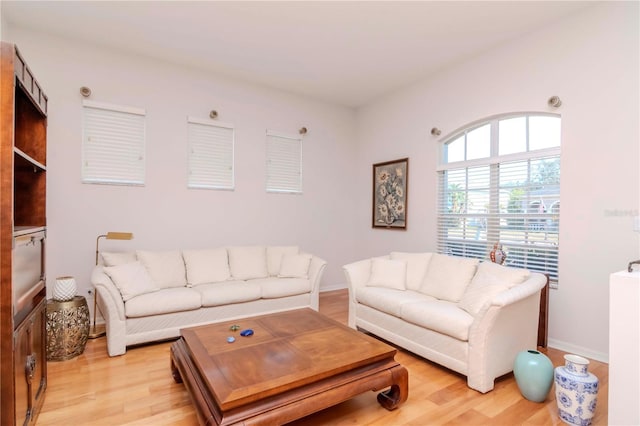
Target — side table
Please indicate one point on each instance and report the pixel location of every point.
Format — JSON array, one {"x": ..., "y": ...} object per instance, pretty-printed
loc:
[{"x": 67, "y": 328}]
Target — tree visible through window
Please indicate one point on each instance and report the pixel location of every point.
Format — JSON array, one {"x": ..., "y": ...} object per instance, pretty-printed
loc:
[{"x": 499, "y": 181}]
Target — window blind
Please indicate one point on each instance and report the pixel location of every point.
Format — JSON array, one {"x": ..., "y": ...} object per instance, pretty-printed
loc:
[
  {"x": 113, "y": 144},
  {"x": 210, "y": 157},
  {"x": 284, "y": 163},
  {"x": 513, "y": 200}
]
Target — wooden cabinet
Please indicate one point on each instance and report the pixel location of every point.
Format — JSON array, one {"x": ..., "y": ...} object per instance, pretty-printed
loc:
[
  {"x": 23, "y": 153},
  {"x": 30, "y": 374}
]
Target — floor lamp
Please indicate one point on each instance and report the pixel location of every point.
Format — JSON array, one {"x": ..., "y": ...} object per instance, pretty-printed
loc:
[{"x": 94, "y": 333}]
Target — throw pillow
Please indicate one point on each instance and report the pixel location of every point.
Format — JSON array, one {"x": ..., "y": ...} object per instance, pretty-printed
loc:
[
  {"x": 448, "y": 277},
  {"x": 295, "y": 266},
  {"x": 248, "y": 262},
  {"x": 166, "y": 268},
  {"x": 482, "y": 289},
  {"x": 417, "y": 264},
  {"x": 274, "y": 257},
  {"x": 132, "y": 279},
  {"x": 206, "y": 266},
  {"x": 388, "y": 273},
  {"x": 118, "y": 258}
]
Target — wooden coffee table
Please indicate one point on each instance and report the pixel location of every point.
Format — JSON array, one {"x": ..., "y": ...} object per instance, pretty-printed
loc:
[{"x": 296, "y": 363}]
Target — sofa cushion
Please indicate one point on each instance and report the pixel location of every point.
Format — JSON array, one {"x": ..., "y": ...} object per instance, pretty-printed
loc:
[
  {"x": 273, "y": 288},
  {"x": 165, "y": 267},
  {"x": 248, "y": 262},
  {"x": 206, "y": 266},
  {"x": 480, "y": 292},
  {"x": 388, "y": 273},
  {"x": 417, "y": 264},
  {"x": 489, "y": 280},
  {"x": 388, "y": 300},
  {"x": 511, "y": 276},
  {"x": 274, "y": 257},
  {"x": 439, "y": 315},
  {"x": 295, "y": 266},
  {"x": 225, "y": 293},
  {"x": 163, "y": 302},
  {"x": 118, "y": 258},
  {"x": 448, "y": 277},
  {"x": 132, "y": 279}
]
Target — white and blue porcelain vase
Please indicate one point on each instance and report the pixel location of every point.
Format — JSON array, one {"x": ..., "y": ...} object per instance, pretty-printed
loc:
[
  {"x": 533, "y": 371},
  {"x": 576, "y": 391}
]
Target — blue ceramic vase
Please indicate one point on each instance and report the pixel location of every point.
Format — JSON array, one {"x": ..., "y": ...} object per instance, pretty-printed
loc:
[
  {"x": 576, "y": 391},
  {"x": 534, "y": 375}
]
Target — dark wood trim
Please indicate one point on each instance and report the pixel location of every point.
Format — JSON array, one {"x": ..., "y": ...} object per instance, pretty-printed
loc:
[
  {"x": 543, "y": 319},
  {"x": 7, "y": 393}
]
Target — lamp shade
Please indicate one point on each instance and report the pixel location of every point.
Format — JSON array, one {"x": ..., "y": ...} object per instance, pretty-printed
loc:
[
  {"x": 112, "y": 236},
  {"x": 119, "y": 236},
  {"x": 64, "y": 289}
]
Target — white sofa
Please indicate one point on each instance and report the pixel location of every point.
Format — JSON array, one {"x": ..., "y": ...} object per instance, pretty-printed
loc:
[
  {"x": 470, "y": 317},
  {"x": 147, "y": 296}
]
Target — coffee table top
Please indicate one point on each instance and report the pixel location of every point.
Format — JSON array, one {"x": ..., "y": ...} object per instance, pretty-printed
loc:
[{"x": 286, "y": 351}]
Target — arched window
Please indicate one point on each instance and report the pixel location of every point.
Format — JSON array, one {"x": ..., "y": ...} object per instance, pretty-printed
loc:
[{"x": 499, "y": 181}]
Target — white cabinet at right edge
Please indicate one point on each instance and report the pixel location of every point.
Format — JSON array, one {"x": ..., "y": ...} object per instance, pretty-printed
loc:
[{"x": 624, "y": 348}]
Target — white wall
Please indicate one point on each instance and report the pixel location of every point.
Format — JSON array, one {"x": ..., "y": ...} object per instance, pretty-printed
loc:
[
  {"x": 4, "y": 32},
  {"x": 164, "y": 214},
  {"x": 591, "y": 62}
]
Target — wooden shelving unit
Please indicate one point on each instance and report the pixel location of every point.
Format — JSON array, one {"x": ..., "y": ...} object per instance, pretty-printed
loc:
[{"x": 23, "y": 153}]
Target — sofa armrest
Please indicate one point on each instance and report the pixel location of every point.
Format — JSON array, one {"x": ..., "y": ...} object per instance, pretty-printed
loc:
[
  {"x": 316, "y": 269},
  {"x": 357, "y": 274},
  {"x": 108, "y": 291},
  {"x": 111, "y": 306},
  {"x": 504, "y": 327},
  {"x": 531, "y": 286}
]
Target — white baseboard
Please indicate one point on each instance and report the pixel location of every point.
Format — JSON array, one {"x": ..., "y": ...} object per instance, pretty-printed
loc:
[{"x": 578, "y": 350}]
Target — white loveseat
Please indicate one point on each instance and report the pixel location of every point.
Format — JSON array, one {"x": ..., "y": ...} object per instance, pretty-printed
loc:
[
  {"x": 146, "y": 296},
  {"x": 470, "y": 317}
]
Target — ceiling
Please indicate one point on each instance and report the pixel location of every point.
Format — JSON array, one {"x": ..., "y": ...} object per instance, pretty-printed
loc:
[{"x": 348, "y": 53}]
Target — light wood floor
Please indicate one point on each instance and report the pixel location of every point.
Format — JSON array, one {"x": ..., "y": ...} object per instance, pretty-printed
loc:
[{"x": 137, "y": 389}]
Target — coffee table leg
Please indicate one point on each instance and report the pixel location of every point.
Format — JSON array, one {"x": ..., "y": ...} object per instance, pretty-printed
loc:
[
  {"x": 174, "y": 370},
  {"x": 399, "y": 390}
]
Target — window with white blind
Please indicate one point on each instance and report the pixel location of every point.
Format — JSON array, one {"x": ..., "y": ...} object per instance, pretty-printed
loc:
[
  {"x": 113, "y": 144},
  {"x": 210, "y": 154},
  {"x": 284, "y": 163},
  {"x": 499, "y": 182}
]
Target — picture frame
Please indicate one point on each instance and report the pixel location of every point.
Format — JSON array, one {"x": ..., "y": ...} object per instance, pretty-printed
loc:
[{"x": 390, "y": 194}]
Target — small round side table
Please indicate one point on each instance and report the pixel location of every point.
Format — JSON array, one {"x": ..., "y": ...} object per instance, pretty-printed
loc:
[{"x": 67, "y": 328}]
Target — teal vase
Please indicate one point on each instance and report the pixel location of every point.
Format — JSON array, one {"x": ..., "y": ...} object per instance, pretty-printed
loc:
[{"x": 534, "y": 375}]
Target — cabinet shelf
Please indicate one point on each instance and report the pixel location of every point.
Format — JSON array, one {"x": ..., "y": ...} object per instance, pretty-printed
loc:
[
  {"x": 24, "y": 161},
  {"x": 27, "y": 229}
]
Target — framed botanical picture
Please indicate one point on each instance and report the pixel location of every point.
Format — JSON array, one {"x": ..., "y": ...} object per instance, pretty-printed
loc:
[{"x": 390, "y": 185}]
